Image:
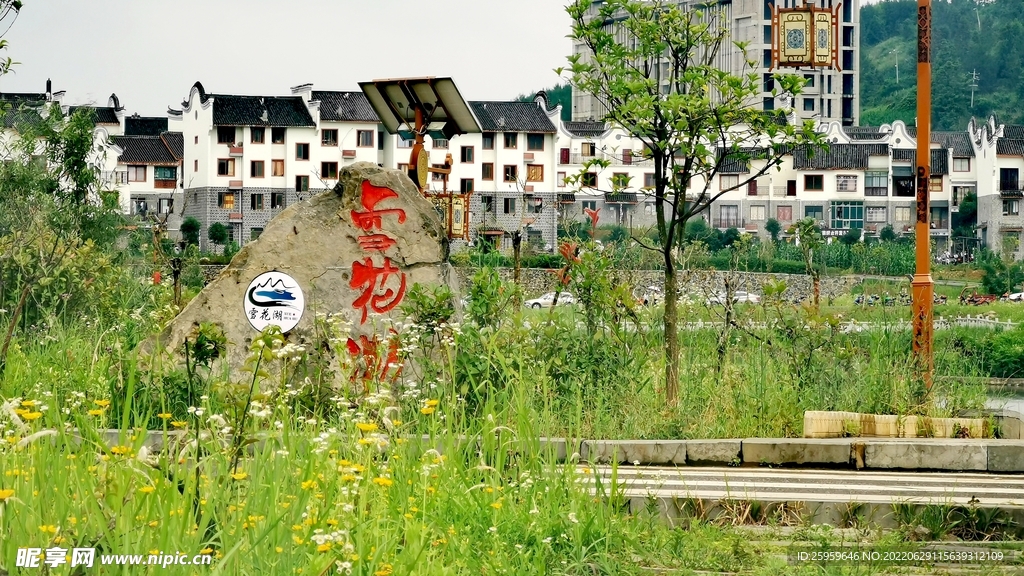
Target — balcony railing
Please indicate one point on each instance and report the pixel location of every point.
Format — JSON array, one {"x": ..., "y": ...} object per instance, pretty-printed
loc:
[
  {"x": 577, "y": 158},
  {"x": 876, "y": 191},
  {"x": 729, "y": 223},
  {"x": 1009, "y": 186}
]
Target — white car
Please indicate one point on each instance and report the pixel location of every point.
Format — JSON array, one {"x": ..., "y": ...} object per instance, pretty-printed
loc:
[
  {"x": 1016, "y": 297},
  {"x": 738, "y": 297},
  {"x": 548, "y": 300}
]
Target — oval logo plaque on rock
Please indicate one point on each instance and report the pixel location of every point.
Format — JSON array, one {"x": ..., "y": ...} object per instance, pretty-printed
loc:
[{"x": 274, "y": 299}]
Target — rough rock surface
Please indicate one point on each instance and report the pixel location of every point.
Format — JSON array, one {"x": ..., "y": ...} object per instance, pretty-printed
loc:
[{"x": 317, "y": 242}]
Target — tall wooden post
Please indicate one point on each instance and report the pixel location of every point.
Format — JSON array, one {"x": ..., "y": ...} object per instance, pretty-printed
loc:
[{"x": 923, "y": 287}]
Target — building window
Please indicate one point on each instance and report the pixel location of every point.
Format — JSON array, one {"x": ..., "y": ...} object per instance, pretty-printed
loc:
[
  {"x": 815, "y": 212},
  {"x": 874, "y": 214},
  {"x": 137, "y": 173},
  {"x": 903, "y": 213},
  {"x": 589, "y": 180},
  {"x": 256, "y": 201},
  {"x": 729, "y": 216},
  {"x": 960, "y": 192},
  {"x": 511, "y": 140},
  {"x": 257, "y": 134},
  {"x": 301, "y": 151},
  {"x": 589, "y": 205},
  {"x": 511, "y": 173},
  {"x": 509, "y": 206},
  {"x": 488, "y": 141},
  {"x": 935, "y": 184},
  {"x": 256, "y": 169},
  {"x": 846, "y": 215},
  {"x": 588, "y": 149},
  {"x": 276, "y": 200},
  {"x": 380, "y": 140},
  {"x": 784, "y": 213},
  {"x": 1011, "y": 207},
  {"x": 196, "y": 139},
  {"x": 225, "y": 134},
  {"x": 487, "y": 171},
  {"x": 329, "y": 170},
  {"x": 809, "y": 81},
  {"x": 808, "y": 104},
  {"x": 620, "y": 181},
  {"x": 226, "y": 167},
  {"x": 165, "y": 176},
  {"x": 560, "y": 178},
  {"x": 534, "y": 173},
  {"x": 534, "y": 204},
  {"x": 488, "y": 203},
  {"x": 329, "y": 137},
  {"x": 226, "y": 200},
  {"x": 757, "y": 213},
  {"x": 876, "y": 184},
  {"x": 466, "y": 185},
  {"x": 277, "y": 135},
  {"x": 403, "y": 143},
  {"x": 961, "y": 164},
  {"x": 728, "y": 181},
  {"x": 195, "y": 165},
  {"x": 254, "y": 233},
  {"x": 165, "y": 205},
  {"x": 437, "y": 176},
  {"x": 466, "y": 154},
  {"x": 846, "y": 183},
  {"x": 404, "y": 168},
  {"x": 277, "y": 167},
  {"x": 814, "y": 182},
  {"x": 440, "y": 143},
  {"x": 535, "y": 142},
  {"x": 301, "y": 183},
  {"x": 649, "y": 180}
]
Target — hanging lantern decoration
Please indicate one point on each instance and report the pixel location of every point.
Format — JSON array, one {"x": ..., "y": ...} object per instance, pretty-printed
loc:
[{"x": 805, "y": 37}]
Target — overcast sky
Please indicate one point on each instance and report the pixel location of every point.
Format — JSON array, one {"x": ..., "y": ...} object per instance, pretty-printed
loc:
[{"x": 150, "y": 52}]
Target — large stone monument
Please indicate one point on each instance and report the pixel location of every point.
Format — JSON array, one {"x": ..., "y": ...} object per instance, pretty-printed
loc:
[{"x": 357, "y": 249}]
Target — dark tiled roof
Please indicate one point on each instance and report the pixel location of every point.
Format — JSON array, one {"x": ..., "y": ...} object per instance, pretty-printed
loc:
[
  {"x": 1013, "y": 132},
  {"x": 144, "y": 150},
  {"x": 1010, "y": 147},
  {"x": 511, "y": 117},
  {"x": 145, "y": 125},
  {"x": 21, "y": 117},
  {"x": 940, "y": 159},
  {"x": 344, "y": 107},
  {"x": 620, "y": 197},
  {"x": 23, "y": 97},
  {"x": 285, "y": 111},
  {"x": 877, "y": 130},
  {"x": 960, "y": 142},
  {"x": 175, "y": 142},
  {"x": 838, "y": 157},
  {"x": 103, "y": 114},
  {"x": 585, "y": 129}
]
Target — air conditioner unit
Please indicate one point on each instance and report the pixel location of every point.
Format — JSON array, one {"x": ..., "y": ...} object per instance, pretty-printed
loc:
[
  {"x": 528, "y": 188},
  {"x": 348, "y": 153},
  {"x": 528, "y": 157}
]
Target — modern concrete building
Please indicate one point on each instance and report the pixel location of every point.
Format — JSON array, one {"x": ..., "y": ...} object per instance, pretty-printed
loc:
[
  {"x": 1000, "y": 162},
  {"x": 829, "y": 95}
]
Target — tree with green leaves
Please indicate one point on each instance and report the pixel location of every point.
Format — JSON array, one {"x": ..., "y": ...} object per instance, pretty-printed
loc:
[
  {"x": 190, "y": 229},
  {"x": 217, "y": 233},
  {"x": 664, "y": 87},
  {"x": 773, "y": 228},
  {"x": 808, "y": 237},
  {"x": 888, "y": 234}
]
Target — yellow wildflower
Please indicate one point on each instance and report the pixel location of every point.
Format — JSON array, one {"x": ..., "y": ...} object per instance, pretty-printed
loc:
[
  {"x": 179, "y": 424},
  {"x": 240, "y": 475},
  {"x": 308, "y": 484},
  {"x": 278, "y": 549},
  {"x": 147, "y": 489},
  {"x": 6, "y": 495},
  {"x": 296, "y": 539},
  {"x": 97, "y": 412},
  {"x": 427, "y": 410},
  {"x": 206, "y": 551},
  {"x": 120, "y": 450},
  {"x": 32, "y": 415},
  {"x": 348, "y": 478},
  {"x": 28, "y": 403},
  {"x": 48, "y": 529},
  {"x": 382, "y": 481},
  {"x": 21, "y": 411},
  {"x": 101, "y": 403},
  {"x": 323, "y": 547},
  {"x": 396, "y": 422},
  {"x": 366, "y": 426},
  {"x": 431, "y": 402},
  {"x": 164, "y": 415},
  {"x": 332, "y": 522},
  {"x": 385, "y": 570},
  {"x": 154, "y": 524},
  {"x": 496, "y": 505}
]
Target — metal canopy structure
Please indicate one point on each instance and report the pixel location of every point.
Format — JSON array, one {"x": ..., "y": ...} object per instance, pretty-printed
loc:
[
  {"x": 417, "y": 107},
  {"x": 397, "y": 102}
]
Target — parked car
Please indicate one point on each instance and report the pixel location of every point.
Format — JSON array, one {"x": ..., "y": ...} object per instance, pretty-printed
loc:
[
  {"x": 548, "y": 300},
  {"x": 738, "y": 297},
  {"x": 1016, "y": 297}
]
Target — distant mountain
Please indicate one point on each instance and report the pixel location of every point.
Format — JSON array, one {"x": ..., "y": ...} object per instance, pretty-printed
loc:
[
  {"x": 968, "y": 37},
  {"x": 557, "y": 94}
]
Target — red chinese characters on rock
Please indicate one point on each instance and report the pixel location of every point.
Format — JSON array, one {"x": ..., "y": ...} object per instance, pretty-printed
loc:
[
  {"x": 371, "y": 366},
  {"x": 383, "y": 286}
]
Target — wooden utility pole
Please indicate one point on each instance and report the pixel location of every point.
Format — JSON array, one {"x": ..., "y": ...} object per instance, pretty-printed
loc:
[{"x": 923, "y": 287}]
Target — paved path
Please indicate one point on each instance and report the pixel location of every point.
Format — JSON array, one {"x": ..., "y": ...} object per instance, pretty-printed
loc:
[{"x": 800, "y": 485}]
